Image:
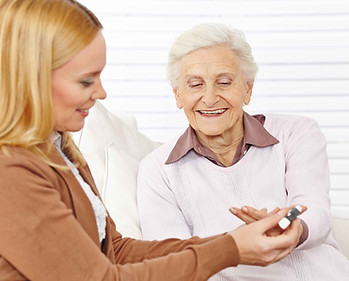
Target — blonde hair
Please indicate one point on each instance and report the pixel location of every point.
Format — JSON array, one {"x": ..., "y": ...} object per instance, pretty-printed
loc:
[{"x": 37, "y": 36}]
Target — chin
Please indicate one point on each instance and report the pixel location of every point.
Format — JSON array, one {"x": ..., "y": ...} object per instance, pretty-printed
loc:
[
  {"x": 71, "y": 128},
  {"x": 211, "y": 132},
  {"x": 76, "y": 128}
]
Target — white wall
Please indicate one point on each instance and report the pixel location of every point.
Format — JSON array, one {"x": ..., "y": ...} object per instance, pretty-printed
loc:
[{"x": 301, "y": 46}]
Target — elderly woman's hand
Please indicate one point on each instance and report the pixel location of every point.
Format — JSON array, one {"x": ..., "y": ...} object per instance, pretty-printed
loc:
[
  {"x": 256, "y": 247},
  {"x": 249, "y": 215}
]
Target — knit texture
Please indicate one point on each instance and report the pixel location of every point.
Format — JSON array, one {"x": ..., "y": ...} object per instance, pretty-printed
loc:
[{"x": 192, "y": 197}]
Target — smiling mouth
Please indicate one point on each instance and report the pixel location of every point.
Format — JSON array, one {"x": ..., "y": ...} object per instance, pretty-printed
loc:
[
  {"x": 83, "y": 110},
  {"x": 212, "y": 112}
]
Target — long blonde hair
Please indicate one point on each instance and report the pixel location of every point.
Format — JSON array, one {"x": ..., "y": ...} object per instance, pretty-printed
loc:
[{"x": 37, "y": 36}]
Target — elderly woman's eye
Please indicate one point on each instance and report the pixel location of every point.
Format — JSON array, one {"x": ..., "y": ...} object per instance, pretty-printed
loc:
[
  {"x": 224, "y": 82},
  {"x": 195, "y": 84}
]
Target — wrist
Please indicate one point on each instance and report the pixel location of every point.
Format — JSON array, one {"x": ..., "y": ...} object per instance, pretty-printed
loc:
[{"x": 304, "y": 233}]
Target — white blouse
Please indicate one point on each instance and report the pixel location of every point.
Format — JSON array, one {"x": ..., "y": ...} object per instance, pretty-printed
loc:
[{"x": 97, "y": 205}]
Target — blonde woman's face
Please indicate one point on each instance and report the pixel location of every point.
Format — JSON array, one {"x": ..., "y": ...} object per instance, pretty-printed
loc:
[{"x": 76, "y": 86}]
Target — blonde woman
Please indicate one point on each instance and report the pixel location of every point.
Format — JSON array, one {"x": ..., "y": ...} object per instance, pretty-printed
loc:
[{"x": 53, "y": 225}]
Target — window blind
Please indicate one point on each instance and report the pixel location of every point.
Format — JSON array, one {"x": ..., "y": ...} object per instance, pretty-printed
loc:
[{"x": 301, "y": 47}]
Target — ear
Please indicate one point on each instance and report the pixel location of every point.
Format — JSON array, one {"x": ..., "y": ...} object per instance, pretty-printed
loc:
[
  {"x": 248, "y": 93},
  {"x": 178, "y": 99}
]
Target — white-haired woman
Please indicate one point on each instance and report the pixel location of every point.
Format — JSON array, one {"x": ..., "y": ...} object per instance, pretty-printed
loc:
[{"x": 227, "y": 157}]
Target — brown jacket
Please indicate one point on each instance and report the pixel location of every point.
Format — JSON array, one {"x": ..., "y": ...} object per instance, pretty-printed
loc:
[{"x": 48, "y": 232}]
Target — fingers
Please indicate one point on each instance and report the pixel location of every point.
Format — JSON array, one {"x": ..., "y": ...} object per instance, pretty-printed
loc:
[
  {"x": 262, "y": 241},
  {"x": 272, "y": 220},
  {"x": 282, "y": 245},
  {"x": 255, "y": 213},
  {"x": 290, "y": 237},
  {"x": 275, "y": 211},
  {"x": 255, "y": 247},
  {"x": 246, "y": 218},
  {"x": 250, "y": 214}
]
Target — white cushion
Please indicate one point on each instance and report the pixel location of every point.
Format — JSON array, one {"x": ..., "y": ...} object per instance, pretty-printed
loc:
[
  {"x": 340, "y": 227},
  {"x": 113, "y": 147},
  {"x": 120, "y": 189}
]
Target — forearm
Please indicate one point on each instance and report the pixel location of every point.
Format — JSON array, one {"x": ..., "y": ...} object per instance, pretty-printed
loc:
[
  {"x": 129, "y": 250},
  {"x": 195, "y": 259},
  {"x": 307, "y": 181}
]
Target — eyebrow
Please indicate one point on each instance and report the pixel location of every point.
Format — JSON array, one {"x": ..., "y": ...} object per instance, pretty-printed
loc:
[
  {"x": 226, "y": 74},
  {"x": 192, "y": 76},
  {"x": 229, "y": 74},
  {"x": 92, "y": 73}
]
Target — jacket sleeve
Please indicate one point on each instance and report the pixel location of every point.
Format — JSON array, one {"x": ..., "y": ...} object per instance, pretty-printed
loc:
[
  {"x": 42, "y": 239},
  {"x": 173, "y": 259}
]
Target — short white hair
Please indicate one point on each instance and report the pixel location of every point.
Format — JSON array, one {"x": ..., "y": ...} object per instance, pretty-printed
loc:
[{"x": 209, "y": 35}]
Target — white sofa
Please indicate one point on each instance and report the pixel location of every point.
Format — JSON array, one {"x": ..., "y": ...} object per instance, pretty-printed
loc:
[{"x": 113, "y": 147}]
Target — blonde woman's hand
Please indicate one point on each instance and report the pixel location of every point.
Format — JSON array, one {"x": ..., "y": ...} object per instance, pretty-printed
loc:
[{"x": 256, "y": 247}]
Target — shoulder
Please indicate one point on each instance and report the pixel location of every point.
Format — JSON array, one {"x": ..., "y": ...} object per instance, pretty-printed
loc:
[
  {"x": 277, "y": 123},
  {"x": 159, "y": 155},
  {"x": 293, "y": 130},
  {"x": 18, "y": 161},
  {"x": 283, "y": 119},
  {"x": 12, "y": 155}
]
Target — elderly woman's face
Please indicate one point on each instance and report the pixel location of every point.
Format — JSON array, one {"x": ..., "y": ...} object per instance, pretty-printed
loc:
[
  {"x": 76, "y": 85},
  {"x": 212, "y": 90}
]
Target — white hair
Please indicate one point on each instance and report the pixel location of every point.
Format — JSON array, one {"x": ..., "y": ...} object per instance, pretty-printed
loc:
[{"x": 209, "y": 35}]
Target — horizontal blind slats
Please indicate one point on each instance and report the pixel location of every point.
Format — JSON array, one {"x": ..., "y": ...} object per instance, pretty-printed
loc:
[{"x": 301, "y": 47}]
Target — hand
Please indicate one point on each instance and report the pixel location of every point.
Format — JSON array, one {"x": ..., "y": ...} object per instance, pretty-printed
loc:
[
  {"x": 257, "y": 248},
  {"x": 249, "y": 214}
]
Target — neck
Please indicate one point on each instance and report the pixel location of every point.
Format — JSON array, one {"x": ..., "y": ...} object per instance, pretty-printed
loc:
[{"x": 224, "y": 146}]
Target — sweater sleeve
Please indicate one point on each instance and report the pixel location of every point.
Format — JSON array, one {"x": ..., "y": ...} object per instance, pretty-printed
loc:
[
  {"x": 307, "y": 178},
  {"x": 160, "y": 216},
  {"x": 42, "y": 239}
]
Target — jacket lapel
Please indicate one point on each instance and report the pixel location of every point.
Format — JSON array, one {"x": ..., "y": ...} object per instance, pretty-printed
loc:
[
  {"x": 82, "y": 206},
  {"x": 87, "y": 176}
]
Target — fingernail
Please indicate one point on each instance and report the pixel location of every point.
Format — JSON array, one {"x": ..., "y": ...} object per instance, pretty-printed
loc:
[
  {"x": 233, "y": 211},
  {"x": 244, "y": 209}
]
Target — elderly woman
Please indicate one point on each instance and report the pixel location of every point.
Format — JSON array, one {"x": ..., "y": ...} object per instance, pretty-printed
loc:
[
  {"x": 227, "y": 157},
  {"x": 53, "y": 225}
]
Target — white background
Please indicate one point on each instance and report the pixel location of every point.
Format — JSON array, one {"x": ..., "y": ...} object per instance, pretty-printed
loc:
[{"x": 301, "y": 47}]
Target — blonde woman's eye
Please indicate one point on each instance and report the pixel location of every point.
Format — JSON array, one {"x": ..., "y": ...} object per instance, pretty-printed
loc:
[{"x": 86, "y": 83}]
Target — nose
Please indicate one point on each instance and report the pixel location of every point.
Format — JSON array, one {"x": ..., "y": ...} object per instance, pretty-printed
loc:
[
  {"x": 210, "y": 97},
  {"x": 99, "y": 92}
]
